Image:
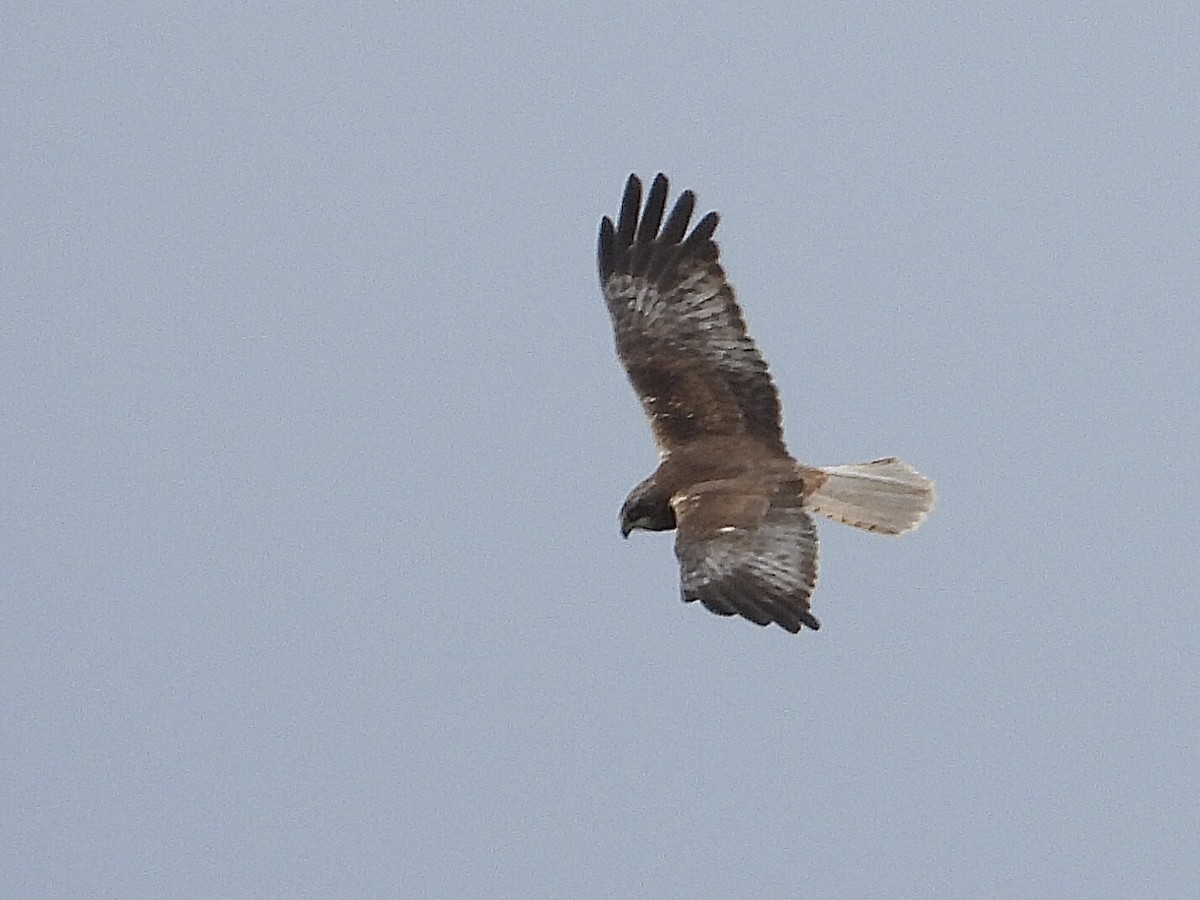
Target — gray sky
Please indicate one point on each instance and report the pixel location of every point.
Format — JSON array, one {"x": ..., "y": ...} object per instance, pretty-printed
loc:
[{"x": 310, "y": 577}]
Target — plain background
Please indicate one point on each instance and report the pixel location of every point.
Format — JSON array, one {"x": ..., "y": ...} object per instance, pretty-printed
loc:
[{"x": 314, "y": 442}]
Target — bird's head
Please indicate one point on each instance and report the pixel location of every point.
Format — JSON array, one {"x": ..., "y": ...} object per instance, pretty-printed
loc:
[{"x": 647, "y": 507}]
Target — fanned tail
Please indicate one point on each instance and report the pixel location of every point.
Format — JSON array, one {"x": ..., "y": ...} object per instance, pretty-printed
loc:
[{"x": 884, "y": 495}]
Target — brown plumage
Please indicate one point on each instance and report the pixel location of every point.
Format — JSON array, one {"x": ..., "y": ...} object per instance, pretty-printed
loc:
[{"x": 746, "y": 543}]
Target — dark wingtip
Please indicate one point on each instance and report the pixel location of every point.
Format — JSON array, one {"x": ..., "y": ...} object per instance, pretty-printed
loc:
[
  {"x": 633, "y": 188},
  {"x": 677, "y": 222},
  {"x": 704, "y": 229},
  {"x": 627, "y": 220},
  {"x": 604, "y": 248},
  {"x": 641, "y": 243},
  {"x": 652, "y": 213},
  {"x": 794, "y": 621}
]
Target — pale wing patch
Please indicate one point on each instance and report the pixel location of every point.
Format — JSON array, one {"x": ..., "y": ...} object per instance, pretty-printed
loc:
[{"x": 697, "y": 315}]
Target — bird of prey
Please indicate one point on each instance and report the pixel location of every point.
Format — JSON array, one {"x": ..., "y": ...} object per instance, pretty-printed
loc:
[{"x": 740, "y": 504}]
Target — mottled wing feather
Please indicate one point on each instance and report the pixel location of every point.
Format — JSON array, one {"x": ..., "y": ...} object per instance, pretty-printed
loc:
[
  {"x": 679, "y": 331},
  {"x": 744, "y": 552}
]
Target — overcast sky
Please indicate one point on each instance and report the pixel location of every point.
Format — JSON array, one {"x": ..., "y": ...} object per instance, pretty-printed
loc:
[{"x": 314, "y": 441}]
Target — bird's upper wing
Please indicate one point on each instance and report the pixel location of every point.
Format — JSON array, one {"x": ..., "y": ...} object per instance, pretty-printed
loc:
[
  {"x": 679, "y": 331},
  {"x": 748, "y": 549}
]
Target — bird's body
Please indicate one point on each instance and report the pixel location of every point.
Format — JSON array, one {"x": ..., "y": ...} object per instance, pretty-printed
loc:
[
  {"x": 718, "y": 457},
  {"x": 746, "y": 543}
]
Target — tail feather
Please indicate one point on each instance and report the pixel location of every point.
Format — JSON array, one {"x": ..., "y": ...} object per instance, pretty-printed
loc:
[{"x": 884, "y": 495}]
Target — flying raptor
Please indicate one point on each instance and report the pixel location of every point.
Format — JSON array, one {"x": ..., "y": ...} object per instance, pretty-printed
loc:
[{"x": 740, "y": 504}]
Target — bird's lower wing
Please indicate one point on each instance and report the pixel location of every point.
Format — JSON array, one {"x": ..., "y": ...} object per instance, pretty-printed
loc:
[{"x": 746, "y": 554}]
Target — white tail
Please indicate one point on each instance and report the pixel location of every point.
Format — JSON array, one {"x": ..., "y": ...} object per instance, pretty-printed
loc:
[{"x": 884, "y": 495}]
